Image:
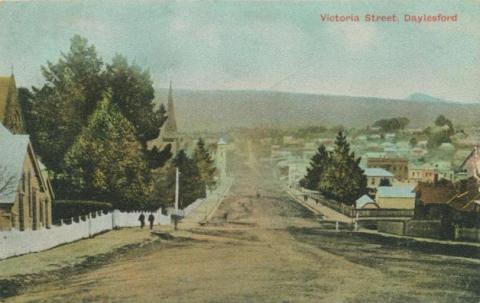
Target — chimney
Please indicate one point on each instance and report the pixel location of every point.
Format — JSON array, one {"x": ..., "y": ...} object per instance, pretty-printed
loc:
[{"x": 435, "y": 179}]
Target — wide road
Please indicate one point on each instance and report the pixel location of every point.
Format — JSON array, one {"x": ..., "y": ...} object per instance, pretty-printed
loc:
[{"x": 267, "y": 249}]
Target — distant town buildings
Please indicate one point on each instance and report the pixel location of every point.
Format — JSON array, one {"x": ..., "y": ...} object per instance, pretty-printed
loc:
[{"x": 398, "y": 166}]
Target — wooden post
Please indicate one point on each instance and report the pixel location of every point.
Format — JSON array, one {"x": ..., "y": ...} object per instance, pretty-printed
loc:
[{"x": 177, "y": 173}]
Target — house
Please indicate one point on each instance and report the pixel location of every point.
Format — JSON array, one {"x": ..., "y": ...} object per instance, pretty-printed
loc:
[
  {"x": 25, "y": 196},
  {"x": 398, "y": 166},
  {"x": 10, "y": 110},
  {"x": 365, "y": 202},
  {"x": 395, "y": 197},
  {"x": 453, "y": 203},
  {"x": 375, "y": 175},
  {"x": 471, "y": 164},
  {"x": 424, "y": 172}
]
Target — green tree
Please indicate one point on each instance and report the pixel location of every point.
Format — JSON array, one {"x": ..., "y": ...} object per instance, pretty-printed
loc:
[
  {"x": 393, "y": 124},
  {"x": 385, "y": 182},
  {"x": 437, "y": 138},
  {"x": 413, "y": 142},
  {"x": 106, "y": 162},
  {"x": 343, "y": 179},
  {"x": 192, "y": 186},
  {"x": 443, "y": 121},
  {"x": 58, "y": 110},
  {"x": 132, "y": 91},
  {"x": 318, "y": 164},
  {"x": 205, "y": 163}
]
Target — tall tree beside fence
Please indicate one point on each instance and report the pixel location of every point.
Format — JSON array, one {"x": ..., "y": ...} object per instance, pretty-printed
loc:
[
  {"x": 205, "y": 163},
  {"x": 106, "y": 162},
  {"x": 343, "y": 179},
  {"x": 318, "y": 165}
]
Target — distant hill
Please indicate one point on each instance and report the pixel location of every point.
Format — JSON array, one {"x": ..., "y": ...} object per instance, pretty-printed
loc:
[
  {"x": 221, "y": 110},
  {"x": 420, "y": 97}
]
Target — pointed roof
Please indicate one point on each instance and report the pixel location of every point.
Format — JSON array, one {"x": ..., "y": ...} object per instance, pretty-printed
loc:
[
  {"x": 365, "y": 199},
  {"x": 6, "y": 83},
  {"x": 13, "y": 151},
  {"x": 170, "y": 127}
]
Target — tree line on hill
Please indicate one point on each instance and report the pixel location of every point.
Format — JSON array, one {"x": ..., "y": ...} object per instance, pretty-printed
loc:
[
  {"x": 336, "y": 174},
  {"x": 90, "y": 123}
]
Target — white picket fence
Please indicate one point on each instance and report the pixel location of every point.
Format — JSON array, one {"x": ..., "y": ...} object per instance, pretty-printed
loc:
[{"x": 14, "y": 243}]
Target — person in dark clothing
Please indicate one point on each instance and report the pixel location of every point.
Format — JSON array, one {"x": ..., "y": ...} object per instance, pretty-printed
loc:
[
  {"x": 141, "y": 218},
  {"x": 151, "y": 219}
]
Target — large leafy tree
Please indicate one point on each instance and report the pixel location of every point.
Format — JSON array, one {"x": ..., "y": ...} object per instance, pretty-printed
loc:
[
  {"x": 318, "y": 165},
  {"x": 205, "y": 163},
  {"x": 58, "y": 110},
  {"x": 106, "y": 161},
  {"x": 133, "y": 93},
  {"x": 74, "y": 85}
]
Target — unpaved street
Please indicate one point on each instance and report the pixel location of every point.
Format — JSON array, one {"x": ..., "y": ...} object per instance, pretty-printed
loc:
[{"x": 267, "y": 249}]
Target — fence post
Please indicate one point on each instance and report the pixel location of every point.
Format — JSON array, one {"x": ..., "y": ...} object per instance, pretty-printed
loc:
[
  {"x": 114, "y": 223},
  {"x": 89, "y": 217},
  {"x": 356, "y": 221}
]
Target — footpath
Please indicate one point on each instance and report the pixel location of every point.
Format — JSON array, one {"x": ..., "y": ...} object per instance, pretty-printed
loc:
[
  {"x": 317, "y": 208},
  {"x": 207, "y": 208},
  {"x": 455, "y": 248},
  {"x": 75, "y": 253}
]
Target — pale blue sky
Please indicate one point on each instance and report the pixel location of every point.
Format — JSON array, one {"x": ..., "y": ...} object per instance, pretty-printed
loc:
[{"x": 258, "y": 45}]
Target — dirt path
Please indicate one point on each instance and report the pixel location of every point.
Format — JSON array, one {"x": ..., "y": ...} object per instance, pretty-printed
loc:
[{"x": 264, "y": 250}]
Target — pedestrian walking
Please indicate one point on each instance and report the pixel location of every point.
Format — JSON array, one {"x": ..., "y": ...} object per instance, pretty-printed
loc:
[
  {"x": 151, "y": 219},
  {"x": 141, "y": 218}
]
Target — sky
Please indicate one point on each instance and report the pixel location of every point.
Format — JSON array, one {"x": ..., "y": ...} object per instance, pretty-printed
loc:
[{"x": 282, "y": 46}]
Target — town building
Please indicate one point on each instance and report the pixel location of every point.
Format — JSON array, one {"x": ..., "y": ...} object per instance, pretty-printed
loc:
[
  {"x": 168, "y": 132},
  {"x": 398, "y": 166},
  {"x": 452, "y": 203},
  {"x": 365, "y": 202},
  {"x": 395, "y": 197},
  {"x": 424, "y": 172},
  {"x": 25, "y": 195},
  {"x": 10, "y": 109},
  {"x": 471, "y": 164},
  {"x": 376, "y": 175}
]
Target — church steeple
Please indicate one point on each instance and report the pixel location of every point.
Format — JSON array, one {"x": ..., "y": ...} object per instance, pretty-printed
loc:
[
  {"x": 171, "y": 123},
  {"x": 168, "y": 132}
]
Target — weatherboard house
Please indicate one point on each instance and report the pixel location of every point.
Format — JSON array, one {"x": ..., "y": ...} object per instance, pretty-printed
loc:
[{"x": 25, "y": 195}]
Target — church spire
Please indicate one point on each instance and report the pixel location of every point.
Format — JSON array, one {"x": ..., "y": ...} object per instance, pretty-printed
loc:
[{"x": 171, "y": 123}]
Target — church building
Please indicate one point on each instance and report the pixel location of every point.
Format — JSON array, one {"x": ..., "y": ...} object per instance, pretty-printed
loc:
[
  {"x": 168, "y": 132},
  {"x": 10, "y": 109}
]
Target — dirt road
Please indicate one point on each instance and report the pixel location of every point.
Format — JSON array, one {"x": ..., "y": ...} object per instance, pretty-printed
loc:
[{"x": 267, "y": 249}]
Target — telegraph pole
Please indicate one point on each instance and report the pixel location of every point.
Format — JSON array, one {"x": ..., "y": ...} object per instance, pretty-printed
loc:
[{"x": 177, "y": 175}]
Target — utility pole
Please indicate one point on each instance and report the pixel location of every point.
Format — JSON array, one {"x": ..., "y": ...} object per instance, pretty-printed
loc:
[{"x": 177, "y": 175}]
